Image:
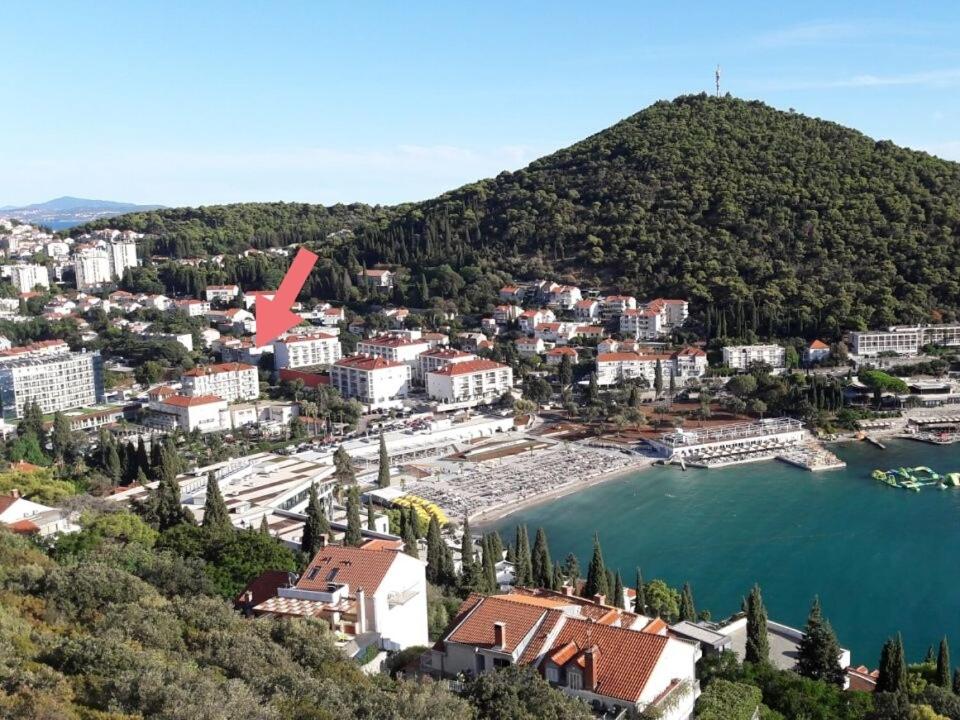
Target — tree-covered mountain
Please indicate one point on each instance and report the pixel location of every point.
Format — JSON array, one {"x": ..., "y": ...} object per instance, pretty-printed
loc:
[{"x": 767, "y": 220}]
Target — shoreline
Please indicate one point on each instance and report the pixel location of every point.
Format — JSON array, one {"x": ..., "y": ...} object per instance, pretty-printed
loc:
[{"x": 498, "y": 512}]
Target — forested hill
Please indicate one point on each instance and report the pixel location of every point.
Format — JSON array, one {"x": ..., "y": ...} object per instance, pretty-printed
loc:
[{"x": 783, "y": 221}]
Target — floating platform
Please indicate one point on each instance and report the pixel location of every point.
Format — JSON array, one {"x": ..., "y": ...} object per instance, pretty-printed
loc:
[{"x": 915, "y": 478}]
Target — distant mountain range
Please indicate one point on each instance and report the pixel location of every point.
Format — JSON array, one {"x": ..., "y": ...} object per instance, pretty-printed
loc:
[{"x": 65, "y": 212}]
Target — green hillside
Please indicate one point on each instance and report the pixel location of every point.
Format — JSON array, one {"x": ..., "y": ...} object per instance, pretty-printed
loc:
[{"x": 770, "y": 220}]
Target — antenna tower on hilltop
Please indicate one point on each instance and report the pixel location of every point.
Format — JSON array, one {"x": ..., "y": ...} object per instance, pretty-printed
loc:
[{"x": 716, "y": 77}]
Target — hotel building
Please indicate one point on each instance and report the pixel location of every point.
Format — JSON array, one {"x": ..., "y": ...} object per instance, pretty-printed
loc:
[
  {"x": 374, "y": 381},
  {"x": 295, "y": 351},
  {"x": 469, "y": 383},
  {"x": 229, "y": 381},
  {"x": 56, "y": 381}
]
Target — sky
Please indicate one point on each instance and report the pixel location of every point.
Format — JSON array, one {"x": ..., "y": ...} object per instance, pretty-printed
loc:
[{"x": 201, "y": 102}]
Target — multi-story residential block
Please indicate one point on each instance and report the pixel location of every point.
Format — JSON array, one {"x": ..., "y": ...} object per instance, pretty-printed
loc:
[
  {"x": 375, "y": 592},
  {"x": 587, "y": 310},
  {"x": 404, "y": 347},
  {"x": 243, "y": 351},
  {"x": 376, "y": 278},
  {"x": 903, "y": 339},
  {"x": 229, "y": 381},
  {"x": 673, "y": 313},
  {"x": 56, "y": 381},
  {"x": 92, "y": 268},
  {"x": 122, "y": 255},
  {"x": 188, "y": 413},
  {"x": 295, "y": 351},
  {"x": 613, "y": 306},
  {"x": 612, "y": 659},
  {"x": 433, "y": 360},
  {"x": 741, "y": 357},
  {"x": 641, "y": 324},
  {"x": 683, "y": 365},
  {"x": 506, "y": 314},
  {"x": 41, "y": 348},
  {"x": 557, "y": 354},
  {"x": 192, "y": 307},
  {"x": 469, "y": 383},
  {"x": 564, "y": 296},
  {"x": 556, "y": 332},
  {"x": 26, "y": 277},
  {"x": 374, "y": 381},
  {"x": 222, "y": 293},
  {"x": 528, "y": 347}
]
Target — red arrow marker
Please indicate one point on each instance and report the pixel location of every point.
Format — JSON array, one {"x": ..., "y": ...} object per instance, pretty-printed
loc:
[{"x": 274, "y": 317}]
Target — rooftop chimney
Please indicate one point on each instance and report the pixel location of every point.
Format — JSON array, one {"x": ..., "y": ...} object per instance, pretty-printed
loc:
[
  {"x": 600, "y": 599},
  {"x": 324, "y": 540},
  {"x": 567, "y": 590},
  {"x": 14, "y": 493},
  {"x": 500, "y": 635},
  {"x": 590, "y": 668}
]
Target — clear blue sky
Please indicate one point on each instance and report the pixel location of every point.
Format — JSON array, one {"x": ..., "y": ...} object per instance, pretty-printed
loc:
[{"x": 187, "y": 103}]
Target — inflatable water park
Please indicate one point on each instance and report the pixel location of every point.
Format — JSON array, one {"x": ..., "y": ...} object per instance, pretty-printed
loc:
[{"x": 916, "y": 478}]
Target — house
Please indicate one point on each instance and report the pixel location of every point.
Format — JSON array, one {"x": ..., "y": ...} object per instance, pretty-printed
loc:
[
  {"x": 433, "y": 360},
  {"x": 641, "y": 324},
  {"x": 222, "y": 293},
  {"x": 529, "y": 319},
  {"x": 250, "y": 297},
  {"x": 397, "y": 316},
  {"x": 556, "y": 355},
  {"x": 564, "y": 296},
  {"x": 556, "y": 332},
  {"x": 192, "y": 307},
  {"x": 512, "y": 293},
  {"x": 404, "y": 347},
  {"x": 607, "y": 657},
  {"x": 331, "y": 316},
  {"x": 469, "y": 383},
  {"x": 376, "y": 278},
  {"x": 199, "y": 412},
  {"x": 528, "y": 347},
  {"x": 815, "y": 352},
  {"x": 613, "y": 306},
  {"x": 587, "y": 310},
  {"x": 506, "y": 314},
  {"x": 25, "y": 517},
  {"x": 372, "y": 594}
]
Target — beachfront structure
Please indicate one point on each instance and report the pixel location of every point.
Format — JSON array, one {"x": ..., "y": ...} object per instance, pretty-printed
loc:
[
  {"x": 613, "y": 306},
  {"x": 295, "y": 351},
  {"x": 376, "y": 278},
  {"x": 683, "y": 365},
  {"x": 734, "y": 441},
  {"x": 469, "y": 383},
  {"x": 903, "y": 339},
  {"x": 741, "y": 357},
  {"x": 56, "y": 380},
  {"x": 404, "y": 347},
  {"x": 374, "y": 381},
  {"x": 434, "y": 360},
  {"x": 229, "y": 381},
  {"x": 587, "y": 649},
  {"x": 26, "y": 277},
  {"x": 222, "y": 293},
  {"x": 374, "y": 594},
  {"x": 816, "y": 351}
]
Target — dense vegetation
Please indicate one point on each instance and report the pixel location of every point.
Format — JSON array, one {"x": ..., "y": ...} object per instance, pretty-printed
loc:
[{"x": 768, "y": 221}]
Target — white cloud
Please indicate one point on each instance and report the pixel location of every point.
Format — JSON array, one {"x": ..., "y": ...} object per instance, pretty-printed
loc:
[{"x": 813, "y": 34}]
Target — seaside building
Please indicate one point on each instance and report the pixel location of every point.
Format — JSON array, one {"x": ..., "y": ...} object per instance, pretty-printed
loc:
[
  {"x": 741, "y": 357},
  {"x": 55, "y": 379},
  {"x": 683, "y": 365},
  {"x": 903, "y": 339},
  {"x": 606, "y": 656},
  {"x": 229, "y": 381},
  {"x": 736, "y": 442},
  {"x": 295, "y": 351},
  {"x": 403, "y": 347},
  {"x": 26, "y": 277},
  {"x": 469, "y": 383},
  {"x": 374, "y": 381}
]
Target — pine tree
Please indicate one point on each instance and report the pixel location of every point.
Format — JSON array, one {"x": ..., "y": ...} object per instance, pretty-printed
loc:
[
  {"x": 316, "y": 525},
  {"x": 353, "y": 535},
  {"x": 943, "y": 665},
  {"x": 371, "y": 517},
  {"x": 61, "y": 438},
  {"x": 32, "y": 422},
  {"x": 434, "y": 551},
  {"x": 819, "y": 651},
  {"x": 617, "y": 600},
  {"x": 596, "y": 573},
  {"x": 523, "y": 566},
  {"x": 893, "y": 668},
  {"x": 688, "y": 610},
  {"x": 383, "y": 476},
  {"x": 167, "y": 510},
  {"x": 640, "y": 601},
  {"x": 758, "y": 644},
  {"x": 215, "y": 514},
  {"x": 541, "y": 567}
]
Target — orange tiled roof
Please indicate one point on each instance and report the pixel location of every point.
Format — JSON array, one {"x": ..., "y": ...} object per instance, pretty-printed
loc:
[
  {"x": 819, "y": 345},
  {"x": 469, "y": 366},
  {"x": 365, "y": 362},
  {"x": 477, "y": 627},
  {"x": 215, "y": 369},
  {"x": 184, "y": 401},
  {"x": 291, "y": 339},
  {"x": 360, "y": 568}
]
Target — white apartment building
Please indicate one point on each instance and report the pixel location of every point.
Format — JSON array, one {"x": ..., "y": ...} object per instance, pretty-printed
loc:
[
  {"x": 564, "y": 296},
  {"x": 469, "y": 383},
  {"x": 505, "y": 314},
  {"x": 200, "y": 412},
  {"x": 740, "y": 357},
  {"x": 295, "y": 351},
  {"x": 641, "y": 324},
  {"x": 529, "y": 319},
  {"x": 26, "y": 277},
  {"x": 903, "y": 339},
  {"x": 192, "y": 307},
  {"x": 222, "y": 293},
  {"x": 433, "y": 360},
  {"x": 613, "y": 306},
  {"x": 403, "y": 347},
  {"x": 123, "y": 255},
  {"x": 56, "y": 381},
  {"x": 92, "y": 269},
  {"x": 588, "y": 309},
  {"x": 41, "y": 348},
  {"x": 683, "y": 365},
  {"x": 374, "y": 381},
  {"x": 229, "y": 381}
]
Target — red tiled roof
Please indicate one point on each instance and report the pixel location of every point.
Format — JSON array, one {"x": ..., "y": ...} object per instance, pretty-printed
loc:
[
  {"x": 360, "y": 568},
  {"x": 366, "y": 362},
  {"x": 216, "y": 369},
  {"x": 184, "y": 401},
  {"x": 23, "y": 527},
  {"x": 654, "y": 627},
  {"x": 563, "y": 351},
  {"x": 6, "y": 501},
  {"x": 291, "y": 339},
  {"x": 469, "y": 366},
  {"x": 819, "y": 345},
  {"x": 477, "y": 628},
  {"x": 473, "y": 599},
  {"x": 393, "y": 341}
]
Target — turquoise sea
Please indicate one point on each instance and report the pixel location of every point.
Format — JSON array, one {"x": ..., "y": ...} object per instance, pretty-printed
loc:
[{"x": 881, "y": 559}]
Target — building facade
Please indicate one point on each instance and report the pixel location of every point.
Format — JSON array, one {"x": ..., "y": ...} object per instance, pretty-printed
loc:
[
  {"x": 374, "y": 381},
  {"x": 469, "y": 383},
  {"x": 228, "y": 381},
  {"x": 741, "y": 357},
  {"x": 903, "y": 339},
  {"x": 682, "y": 365},
  {"x": 59, "y": 381},
  {"x": 295, "y": 351},
  {"x": 26, "y": 277}
]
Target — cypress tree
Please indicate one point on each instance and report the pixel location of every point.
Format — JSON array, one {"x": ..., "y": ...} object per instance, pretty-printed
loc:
[
  {"x": 640, "y": 601},
  {"x": 62, "y": 438},
  {"x": 448, "y": 573},
  {"x": 130, "y": 465},
  {"x": 343, "y": 467},
  {"x": 215, "y": 514},
  {"x": 758, "y": 644},
  {"x": 434, "y": 551},
  {"x": 113, "y": 467},
  {"x": 929, "y": 658},
  {"x": 617, "y": 600},
  {"x": 354, "y": 536},
  {"x": 414, "y": 521},
  {"x": 956, "y": 681},
  {"x": 168, "y": 511},
  {"x": 143, "y": 460},
  {"x": 511, "y": 555},
  {"x": 523, "y": 568},
  {"x": 383, "y": 476},
  {"x": 688, "y": 610},
  {"x": 496, "y": 545},
  {"x": 371, "y": 517},
  {"x": 596, "y": 573},
  {"x": 819, "y": 651},
  {"x": 943, "y": 665},
  {"x": 264, "y": 526},
  {"x": 541, "y": 567},
  {"x": 489, "y": 567},
  {"x": 893, "y": 668},
  {"x": 315, "y": 526},
  {"x": 156, "y": 459},
  {"x": 658, "y": 378},
  {"x": 466, "y": 549},
  {"x": 571, "y": 570},
  {"x": 557, "y": 577}
]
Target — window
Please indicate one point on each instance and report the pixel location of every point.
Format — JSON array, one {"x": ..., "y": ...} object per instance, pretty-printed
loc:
[
  {"x": 500, "y": 663},
  {"x": 553, "y": 675},
  {"x": 575, "y": 681}
]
